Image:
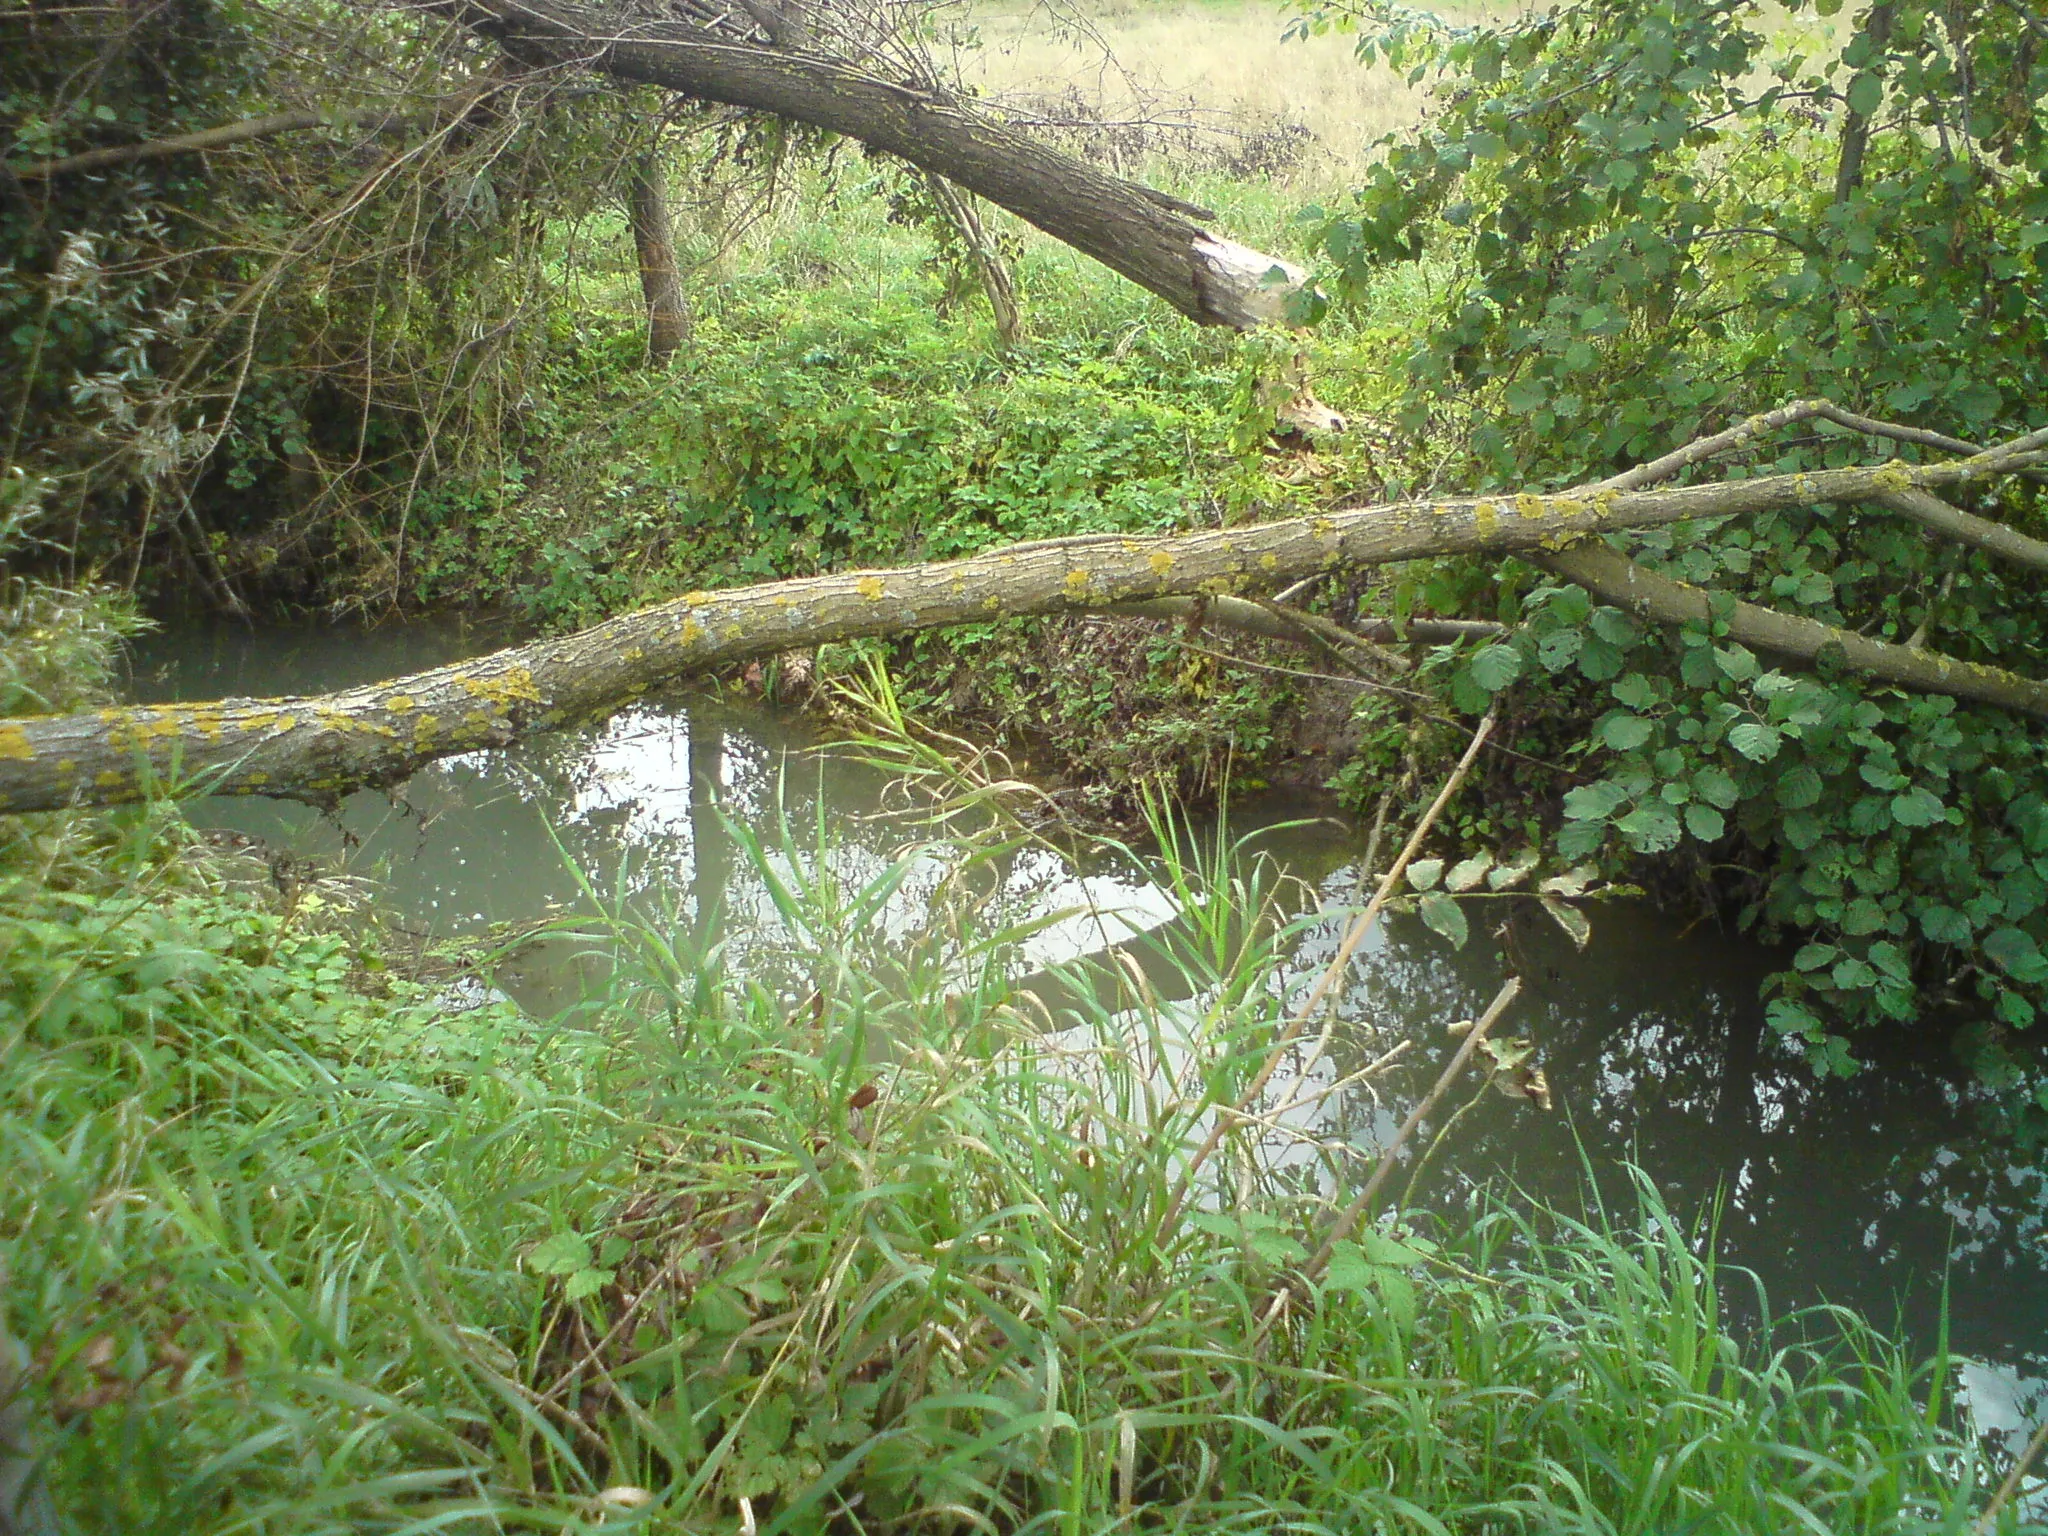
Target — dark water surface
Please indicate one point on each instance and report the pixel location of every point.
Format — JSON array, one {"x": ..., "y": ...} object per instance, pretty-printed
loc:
[{"x": 1875, "y": 1192}]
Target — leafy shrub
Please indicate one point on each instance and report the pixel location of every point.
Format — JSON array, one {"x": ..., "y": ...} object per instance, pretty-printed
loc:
[{"x": 1652, "y": 220}]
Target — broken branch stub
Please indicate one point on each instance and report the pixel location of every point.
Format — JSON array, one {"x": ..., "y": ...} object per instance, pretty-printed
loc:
[{"x": 1129, "y": 228}]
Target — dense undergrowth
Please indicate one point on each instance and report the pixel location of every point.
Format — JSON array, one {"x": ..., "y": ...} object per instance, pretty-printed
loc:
[
  {"x": 293, "y": 1254},
  {"x": 290, "y": 1246}
]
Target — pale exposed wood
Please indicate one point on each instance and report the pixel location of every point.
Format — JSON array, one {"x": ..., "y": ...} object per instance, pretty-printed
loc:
[{"x": 1129, "y": 228}]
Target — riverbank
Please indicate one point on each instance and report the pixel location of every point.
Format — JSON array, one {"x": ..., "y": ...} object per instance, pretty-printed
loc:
[
  {"x": 827, "y": 1234},
  {"x": 287, "y": 1245}
]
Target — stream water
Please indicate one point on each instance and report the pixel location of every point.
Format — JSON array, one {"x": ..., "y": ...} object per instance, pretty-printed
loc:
[{"x": 1880, "y": 1192}]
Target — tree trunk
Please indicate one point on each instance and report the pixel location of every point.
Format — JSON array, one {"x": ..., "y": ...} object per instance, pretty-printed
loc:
[
  {"x": 320, "y": 748},
  {"x": 654, "y": 241},
  {"x": 984, "y": 256},
  {"x": 1145, "y": 235}
]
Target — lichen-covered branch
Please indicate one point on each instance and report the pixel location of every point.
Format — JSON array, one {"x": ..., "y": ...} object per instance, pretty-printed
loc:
[
  {"x": 319, "y": 748},
  {"x": 1619, "y": 580}
]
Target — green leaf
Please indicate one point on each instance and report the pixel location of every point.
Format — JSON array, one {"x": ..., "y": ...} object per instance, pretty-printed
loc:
[
  {"x": 1348, "y": 1270},
  {"x": 2014, "y": 952},
  {"x": 1918, "y": 807},
  {"x": 1614, "y": 626},
  {"x": 1945, "y": 925},
  {"x": 1423, "y": 874},
  {"x": 1495, "y": 666},
  {"x": 1467, "y": 874},
  {"x": 562, "y": 1254},
  {"x": 1705, "y": 823},
  {"x": 1652, "y": 827},
  {"x": 1636, "y": 691},
  {"x": 1599, "y": 661},
  {"x": 1799, "y": 788},
  {"x": 1446, "y": 916},
  {"x": 1624, "y": 733},
  {"x": 1515, "y": 871},
  {"x": 1716, "y": 786},
  {"x": 586, "y": 1282},
  {"x": 1594, "y": 802},
  {"x": 1737, "y": 662},
  {"x": 1757, "y": 742},
  {"x": 1570, "y": 919},
  {"x": 1379, "y": 1249},
  {"x": 1862, "y": 916},
  {"x": 1814, "y": 957},
  {"x": 1866, "y": 94}
]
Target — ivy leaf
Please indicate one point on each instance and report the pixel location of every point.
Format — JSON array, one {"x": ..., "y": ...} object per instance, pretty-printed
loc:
[{"x": 1444, "y": 914}]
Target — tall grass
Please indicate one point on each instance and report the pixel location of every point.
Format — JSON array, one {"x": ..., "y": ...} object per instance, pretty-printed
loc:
[{"x": 295, "y": 1252}]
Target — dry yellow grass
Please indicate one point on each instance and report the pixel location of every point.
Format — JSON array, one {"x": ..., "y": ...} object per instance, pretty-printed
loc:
[{"x": 1229, "y": 63}]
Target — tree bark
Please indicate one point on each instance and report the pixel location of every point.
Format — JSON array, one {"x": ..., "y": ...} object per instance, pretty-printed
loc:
[
  {"x": 1611, "y": 575},
  {"x": 654, "y": 242},
  {"x": 1140, "y": 233},
  {"x": 1877, "y": 30},
  {"x": 320, "y": 748}
]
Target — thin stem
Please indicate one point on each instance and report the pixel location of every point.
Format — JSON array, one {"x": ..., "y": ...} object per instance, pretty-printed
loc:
[{"x": 1332, "y": 973}]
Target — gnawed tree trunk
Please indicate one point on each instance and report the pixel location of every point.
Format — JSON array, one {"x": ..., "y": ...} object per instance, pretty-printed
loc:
[
  {"x": 654, "y": 244},
  {"x": 319, "y": 748},
  {"x": 1147, "y": 236}
]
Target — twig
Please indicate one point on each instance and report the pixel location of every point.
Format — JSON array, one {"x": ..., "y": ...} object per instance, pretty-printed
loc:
[
  {"x": 1348, "y": 1221},
  {"x": 2011, "y": 1484},
  {"x": 1746, "y": 432},
  {"x": 1332, "y": 973}
]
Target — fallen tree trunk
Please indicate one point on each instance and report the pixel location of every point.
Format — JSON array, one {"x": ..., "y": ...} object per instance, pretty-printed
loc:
[
  {"x": 320, "y": 748},
  {"x": 1145, "y": 235}
]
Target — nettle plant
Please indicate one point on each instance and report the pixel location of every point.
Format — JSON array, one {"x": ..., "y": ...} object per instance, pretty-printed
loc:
[{"x": 1643, "y": 222}]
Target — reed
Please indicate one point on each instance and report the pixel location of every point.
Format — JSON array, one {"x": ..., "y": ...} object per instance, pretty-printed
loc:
[{"x": 866, "y": 1247}]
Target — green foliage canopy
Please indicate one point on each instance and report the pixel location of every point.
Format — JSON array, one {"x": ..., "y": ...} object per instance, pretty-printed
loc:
[{"x": 1647, "y": 221}]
